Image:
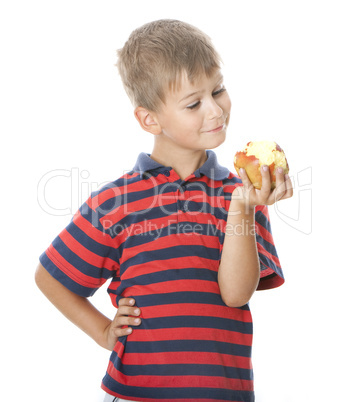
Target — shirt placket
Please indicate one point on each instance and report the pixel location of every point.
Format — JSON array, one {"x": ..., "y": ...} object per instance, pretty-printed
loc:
[
  {"x": 173, "y": 178},
  {"x": 183, "y": 197}
]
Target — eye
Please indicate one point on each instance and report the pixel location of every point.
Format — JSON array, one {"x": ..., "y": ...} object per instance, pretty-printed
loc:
[
  {"x": 193, "y": 105},
  {"x": 196, "y": 104},
  {"x": 215, "y": 93}
]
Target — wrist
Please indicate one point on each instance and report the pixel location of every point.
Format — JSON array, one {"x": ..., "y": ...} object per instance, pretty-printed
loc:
[
  {"x": 102, "y": 339},
  {"x": 240, "y": 206},
  {"x": 241, "y": 200},
  {"x": 240, "y": 220}
]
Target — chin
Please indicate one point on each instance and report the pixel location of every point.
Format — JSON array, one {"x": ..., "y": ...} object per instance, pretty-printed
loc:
[
  {"x": 216, "y": 139},
  {"x": 257, "y": 154}
]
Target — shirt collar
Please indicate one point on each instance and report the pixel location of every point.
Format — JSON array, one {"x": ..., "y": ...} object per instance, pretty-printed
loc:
[{"x": 211, "y": 168}]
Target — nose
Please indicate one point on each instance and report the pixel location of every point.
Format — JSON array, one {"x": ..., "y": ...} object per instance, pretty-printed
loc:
[{"x": 215, "y": 111}]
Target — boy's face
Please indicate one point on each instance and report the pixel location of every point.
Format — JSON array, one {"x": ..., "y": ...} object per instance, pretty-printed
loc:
[{"x": 195, "y": 117}]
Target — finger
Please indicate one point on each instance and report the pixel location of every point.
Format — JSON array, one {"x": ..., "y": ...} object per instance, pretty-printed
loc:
[
  {"x": 247, "y": 192},
  {"x": 289, "y": 187},
  {"x": 128, "y": 311},
  {"x": 126, "y": 301},
  {"x": 124, "y": 322},
  {"x": 280, "y": 187},
  {"x": 125, "y": 329},
  {"x": 244, "y": 178},
  {"x": 266, "y": 183},
  {"x": 119, "y": 332}
]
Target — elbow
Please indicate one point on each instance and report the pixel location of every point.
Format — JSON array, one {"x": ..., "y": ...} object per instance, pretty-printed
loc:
[
  {"x": 40, "y": 277},
  {"x": 236, "y": 298},
  {"x": 237, "y": 293},
  {"x": 37, "y": 277},
  {"x": 235, "y": 301}
]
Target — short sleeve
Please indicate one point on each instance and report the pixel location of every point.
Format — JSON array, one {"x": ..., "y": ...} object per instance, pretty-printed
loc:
[
  {"x": 82, "y": 256},
  {"x": 271, "y": 275}
]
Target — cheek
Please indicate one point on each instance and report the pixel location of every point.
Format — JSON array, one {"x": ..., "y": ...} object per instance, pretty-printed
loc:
[
  {"x": 192, "y": 122},
  {"x": 226, "y": 106}
]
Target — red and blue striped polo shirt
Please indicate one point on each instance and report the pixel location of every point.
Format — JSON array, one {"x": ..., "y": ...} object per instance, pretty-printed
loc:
[{"x": 159, "y": 239}]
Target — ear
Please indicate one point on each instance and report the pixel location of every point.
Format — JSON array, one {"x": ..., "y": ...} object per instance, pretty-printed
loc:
[{"x": 147, "y": 120}]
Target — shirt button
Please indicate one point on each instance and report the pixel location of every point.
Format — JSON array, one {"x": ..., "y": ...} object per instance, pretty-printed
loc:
[{"x": 166, "y": 173}]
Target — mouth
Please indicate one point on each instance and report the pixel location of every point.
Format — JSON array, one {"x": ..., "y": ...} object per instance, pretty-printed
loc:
[{"x": 217, "y": 129}]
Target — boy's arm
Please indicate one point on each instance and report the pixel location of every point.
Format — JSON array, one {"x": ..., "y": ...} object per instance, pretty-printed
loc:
[
  {"x": 83, "y": 314},
  {"x": 238, "y": 273},
  {"x": 239, "y": 270}
]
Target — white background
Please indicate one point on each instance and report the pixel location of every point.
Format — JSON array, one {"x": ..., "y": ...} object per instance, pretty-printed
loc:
[{"x": 64, "y": 112}]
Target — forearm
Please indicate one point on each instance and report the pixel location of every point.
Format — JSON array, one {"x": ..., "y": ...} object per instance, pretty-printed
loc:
[
  {"x": 238, "y": 273},
  {"x": 76, "y": 308}
]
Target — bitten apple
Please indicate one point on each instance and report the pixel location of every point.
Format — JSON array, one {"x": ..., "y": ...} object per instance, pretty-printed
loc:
[{"x": 257, "y": 154}]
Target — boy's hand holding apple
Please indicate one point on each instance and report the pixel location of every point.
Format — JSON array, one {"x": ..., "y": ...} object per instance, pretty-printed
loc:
[{"x": 263, "y": 169}]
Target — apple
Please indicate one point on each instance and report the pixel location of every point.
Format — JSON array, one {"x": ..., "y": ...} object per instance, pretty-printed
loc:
[{"x": 257, "y": 154}]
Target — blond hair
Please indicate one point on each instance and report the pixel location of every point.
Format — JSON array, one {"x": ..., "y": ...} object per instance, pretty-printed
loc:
[{"x": 157, "y": 54}]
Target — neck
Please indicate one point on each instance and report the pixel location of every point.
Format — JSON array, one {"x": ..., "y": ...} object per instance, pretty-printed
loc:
[{"x": 184, "y": 162}]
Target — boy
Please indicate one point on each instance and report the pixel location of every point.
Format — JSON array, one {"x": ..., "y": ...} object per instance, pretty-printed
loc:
[{"x": 185, "y": 241}]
